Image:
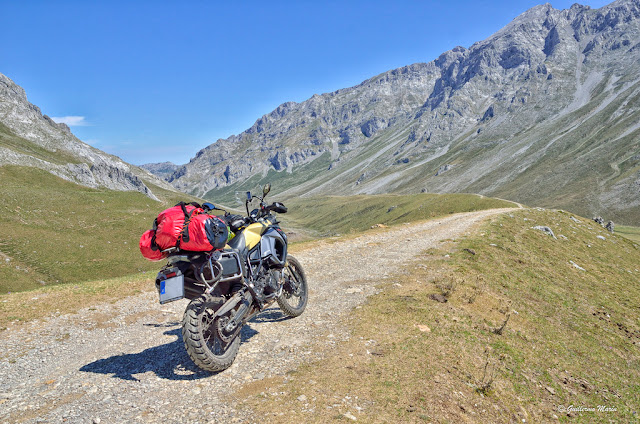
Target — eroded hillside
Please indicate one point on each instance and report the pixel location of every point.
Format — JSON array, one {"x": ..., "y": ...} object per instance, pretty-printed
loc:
[{"x": 543, "y": 112}]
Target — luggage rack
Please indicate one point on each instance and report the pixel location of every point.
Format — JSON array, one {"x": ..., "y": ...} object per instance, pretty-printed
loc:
[
  {"x": 229, "y": 260},
  {"x": 218, "y": 267}
]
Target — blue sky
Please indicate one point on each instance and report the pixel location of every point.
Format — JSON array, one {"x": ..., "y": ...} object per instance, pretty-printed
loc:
[{"x": 152, "y": 81}]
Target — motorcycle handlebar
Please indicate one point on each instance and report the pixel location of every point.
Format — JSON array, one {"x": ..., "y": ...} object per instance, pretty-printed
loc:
[
  {"x": 277, "y": 207},
  {"x": 265, "y": 210}
]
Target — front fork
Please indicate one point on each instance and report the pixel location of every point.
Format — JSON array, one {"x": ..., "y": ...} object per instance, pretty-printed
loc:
[{"x": 291, "y": 284}]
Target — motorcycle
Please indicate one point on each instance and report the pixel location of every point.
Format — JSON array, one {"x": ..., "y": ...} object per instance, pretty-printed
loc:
[{"x": 228, "y": 287}]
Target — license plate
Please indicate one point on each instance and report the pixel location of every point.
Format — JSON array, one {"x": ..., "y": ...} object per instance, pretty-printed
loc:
[{"x": 171, "y": 289}]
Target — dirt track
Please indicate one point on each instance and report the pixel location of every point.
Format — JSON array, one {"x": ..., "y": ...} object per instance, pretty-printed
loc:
[{"x": 125, "y": 362}]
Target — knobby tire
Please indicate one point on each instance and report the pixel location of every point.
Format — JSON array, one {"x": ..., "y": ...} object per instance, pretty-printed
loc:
[
  {"x": 301, "y": 293},
  {"x": 203, "y": 344}
]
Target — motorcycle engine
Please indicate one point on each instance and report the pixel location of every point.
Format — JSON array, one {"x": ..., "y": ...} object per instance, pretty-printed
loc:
[{"x": 266, "y": 284}]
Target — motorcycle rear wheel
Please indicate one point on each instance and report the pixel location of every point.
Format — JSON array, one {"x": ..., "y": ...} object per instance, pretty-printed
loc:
[
  {"x": 206, "y": 342},
  {"x": 295, "y": 293}
]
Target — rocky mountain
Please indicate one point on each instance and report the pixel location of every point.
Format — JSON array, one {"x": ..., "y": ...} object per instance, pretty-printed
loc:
[
  {"x": 545, "y": 112},
  {"x": 29, "y": 138},
  {"x": 162, "y": 170}
]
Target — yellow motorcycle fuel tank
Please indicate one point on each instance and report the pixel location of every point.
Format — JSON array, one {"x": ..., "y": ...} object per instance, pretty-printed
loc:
[{"x": 251, "y": 235}]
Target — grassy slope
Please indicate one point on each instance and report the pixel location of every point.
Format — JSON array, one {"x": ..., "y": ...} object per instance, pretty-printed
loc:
[
  {"x": 583, "y": 161},
  {"x": 12, "y": 142},
  {"x": 572, "y": 336},
  {"x": 632, "y": 233},
  {"x": 53, "y": 231},
  {"x": 338, "y": 214},
  {"x": 234, "y": 194}
]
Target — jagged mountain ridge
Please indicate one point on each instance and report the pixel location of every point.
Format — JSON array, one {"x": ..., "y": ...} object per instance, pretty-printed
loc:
[
  {"x": 30, "y": 138},
  {"x": 545, "y": 112},
  {"x": 162, "y": 170}
]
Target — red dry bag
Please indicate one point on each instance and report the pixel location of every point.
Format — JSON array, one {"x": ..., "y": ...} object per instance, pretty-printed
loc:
[{"x": 185, "y": 227}]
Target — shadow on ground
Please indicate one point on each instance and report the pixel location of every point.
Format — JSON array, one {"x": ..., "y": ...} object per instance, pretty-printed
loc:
[
  {"x": 270, "y": 315},
  {"x": 170, "y": 360}
]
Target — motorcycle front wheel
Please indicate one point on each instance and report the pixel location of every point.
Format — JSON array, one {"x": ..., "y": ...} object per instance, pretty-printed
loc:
[
  {"x": 205, "y": 338},
  {"x": 295, "y": 293}
]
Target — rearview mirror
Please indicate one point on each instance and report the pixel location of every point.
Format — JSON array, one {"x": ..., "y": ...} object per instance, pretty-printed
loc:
[
  {"x": 266, "y": 189},
  {"x": 249, "y": 196}
]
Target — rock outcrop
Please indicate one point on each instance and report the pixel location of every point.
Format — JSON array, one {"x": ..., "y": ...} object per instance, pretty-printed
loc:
[{"x": 162, "y": 170}]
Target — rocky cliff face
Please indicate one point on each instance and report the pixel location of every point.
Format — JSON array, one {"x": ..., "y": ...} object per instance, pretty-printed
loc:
[
  {"x": 163, "y": 170},
  {"x": 29, "y": 138},
  {"x": 545, "y": 111}
]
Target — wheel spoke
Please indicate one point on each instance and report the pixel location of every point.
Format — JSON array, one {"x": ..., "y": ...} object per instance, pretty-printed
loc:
[{"x": 293, "y": 300}]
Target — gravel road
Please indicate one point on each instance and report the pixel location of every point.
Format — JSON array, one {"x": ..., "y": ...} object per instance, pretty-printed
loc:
[{"x": 125, "y": 362}]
